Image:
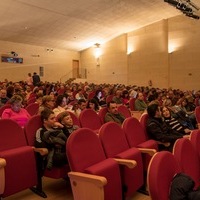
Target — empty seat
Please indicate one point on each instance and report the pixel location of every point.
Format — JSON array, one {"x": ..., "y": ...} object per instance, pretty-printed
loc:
[
  {"x": 90, "y": 119},
  {"x": 86, "y": 156},
  {"x": 124, "y": 111},
  {"x": 20, "y": 169},
  {"x": 115, "y": 145},
  {"x": 32, "y": 108},
  {"x": 136, "y": 137}
]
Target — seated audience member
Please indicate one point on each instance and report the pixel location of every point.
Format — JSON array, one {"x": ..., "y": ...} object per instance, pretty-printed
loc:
[
  {"x": 179, "y": 114},
  {"x": 47, "y": 102},
  {"x": 3, "y": 97},
  {"x": 68, "y": 127},
  {"x": 140, "y": 104},
  {"x": 113, "y": 114},
  {"x": 51, "y": 138},
  {"x": 81, "y": 105},
  {"x": 61, "y": 104},
  {"x": 92, "y": 103},
  {"x": 158, "y": 130},
  {"x": 188, "y": 108},
  {"x": 79, "y": 95},
  {"x": 16, "y": 112},
  {"x": 99, "y": 97},
  {"x": 125, "y": 97},
  {"x": 117, "y": 97},
  {"x": 172, "y": 122}
]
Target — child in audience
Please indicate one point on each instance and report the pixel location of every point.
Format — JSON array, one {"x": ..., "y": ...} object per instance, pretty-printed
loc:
[
  {"x": 68, "y": 127},
  {"x": 51, "y": 138}
]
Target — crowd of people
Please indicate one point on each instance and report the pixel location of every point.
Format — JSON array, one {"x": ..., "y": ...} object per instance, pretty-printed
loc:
[{"x": 171, "y": 112}]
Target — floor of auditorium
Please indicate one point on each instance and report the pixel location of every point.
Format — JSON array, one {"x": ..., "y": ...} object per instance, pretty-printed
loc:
[{"x": 58, "y": 189}]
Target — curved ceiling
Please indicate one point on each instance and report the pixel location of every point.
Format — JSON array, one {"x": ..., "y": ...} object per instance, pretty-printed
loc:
[{"x": 77, "y": 24}]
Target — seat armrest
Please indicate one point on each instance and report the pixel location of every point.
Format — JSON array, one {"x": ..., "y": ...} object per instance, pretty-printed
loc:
[
  {"x": 2, "y": 162},
  {"x": 41, "y": 151},
  {"x": 2, "y": 175},
  {"x": 151, "y": 152},
  {"x": 126, "y": 162},
  {"x": 87, "y": 186}
]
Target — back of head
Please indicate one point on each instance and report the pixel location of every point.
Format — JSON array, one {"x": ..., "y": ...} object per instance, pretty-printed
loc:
[
  {"x": 151, "y": 110},
  {"x": 46, "y": 113}
]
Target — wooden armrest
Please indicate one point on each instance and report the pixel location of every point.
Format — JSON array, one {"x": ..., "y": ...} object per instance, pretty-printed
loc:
[
  {"x": 2, "y": 175},
  {"x": 2, "y": 162},
  {"x": 126, "y": 162},
  {"x": 97, "y": 180},
  {"x": 151, "y": 152},
  {"x": 166, "y": 144},
  {"x": 87, "y": 186},
  {"x": 41, "y": 151}
]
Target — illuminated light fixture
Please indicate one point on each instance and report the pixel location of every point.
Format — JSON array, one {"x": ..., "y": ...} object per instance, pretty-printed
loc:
[
  {"x": 171, "y": 48},
  {"x": 97, "y": 53}
]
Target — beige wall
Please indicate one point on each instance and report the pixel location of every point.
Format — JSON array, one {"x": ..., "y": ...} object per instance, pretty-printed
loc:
[
  {"x": 184, "y": 37},
  {"x": 149, "y": 59},
  {"x": 57, "y": 63},
  {"x": 113, "y": 62}
]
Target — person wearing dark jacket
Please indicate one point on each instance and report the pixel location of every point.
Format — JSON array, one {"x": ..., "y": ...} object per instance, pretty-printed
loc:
[
  {"x": 36, "y": 79},
  {"x": 158, "y": 130}
]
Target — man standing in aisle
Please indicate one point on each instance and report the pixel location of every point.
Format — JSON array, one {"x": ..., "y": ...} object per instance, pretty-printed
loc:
[{"x": 36, "y": 79}]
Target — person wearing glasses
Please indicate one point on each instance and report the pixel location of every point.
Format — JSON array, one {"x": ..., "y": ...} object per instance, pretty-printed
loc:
[{"x": 16, "y": 111}]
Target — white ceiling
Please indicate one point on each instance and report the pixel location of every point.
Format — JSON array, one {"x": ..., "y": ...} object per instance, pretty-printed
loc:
[{"x": 77, "y": 24}]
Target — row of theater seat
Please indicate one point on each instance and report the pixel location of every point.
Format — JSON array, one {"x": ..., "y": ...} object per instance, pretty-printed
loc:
[
  {"x": 99, "y": 155},
  {"x": 23, "y": 163},
  {"x": 16, "y": 149},
  {"x": 14, "y": 141}
]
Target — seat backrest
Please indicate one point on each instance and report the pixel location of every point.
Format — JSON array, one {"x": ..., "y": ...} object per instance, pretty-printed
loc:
[
  {"x": 109, "y": 98},
  {"x": 32, "y": 108},
  {"x": 134, "y": 131},
  {"x": 113, "y": 139},
  {"x": 197, "y": 114},
  {"x": 187, "y": 158},
  {"x": 102, "y": 114},
  {"x": 11, "y": 135},
  {"x": 75, "y": 119},
  {"x": 31, "y": 100},
  {"x": 195, "y": 140},
  {"x": 161, "y": 171},
  {"x": 3, "y": 108},
  {"x": 132, "y": 104},
  {"x": 90, "y": 119},
  {"x": 143, "y": 121},
  {"x": 124, "y": 111},
  {"x": 91, "y": 95},
  {"x": 84, "y": 149},
  {"x": 33, "y": 124}
]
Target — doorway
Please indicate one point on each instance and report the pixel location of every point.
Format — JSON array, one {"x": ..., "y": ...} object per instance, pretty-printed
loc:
[{"x": 75, "y": 69}]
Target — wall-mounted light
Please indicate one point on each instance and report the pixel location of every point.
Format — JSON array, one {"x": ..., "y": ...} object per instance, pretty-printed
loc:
[
  {"x": 97, "y": 53},
  {"x": 49, "y": 50}
]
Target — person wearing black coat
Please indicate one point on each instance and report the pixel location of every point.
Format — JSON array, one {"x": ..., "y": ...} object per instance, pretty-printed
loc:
[{"x": 158, "y": 130}]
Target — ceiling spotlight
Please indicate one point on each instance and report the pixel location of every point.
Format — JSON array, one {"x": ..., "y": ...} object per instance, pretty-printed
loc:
[
  {"x": 172, "y": 2},
  {"x": 186, "y": 6},
  {"x": 192, "y": 15}
]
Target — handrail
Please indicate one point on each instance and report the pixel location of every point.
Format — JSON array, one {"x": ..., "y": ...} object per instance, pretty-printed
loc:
[{"x": 67, "y": 74}]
